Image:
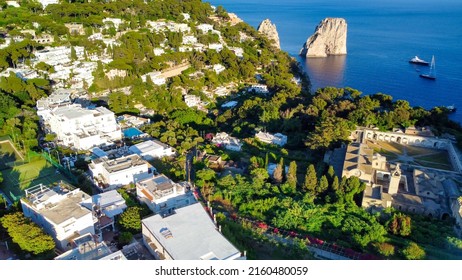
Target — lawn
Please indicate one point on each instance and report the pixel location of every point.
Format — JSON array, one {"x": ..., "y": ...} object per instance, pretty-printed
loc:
[
  {"x": 8, "y": 154},
  {"x": 21, "y": 177}
]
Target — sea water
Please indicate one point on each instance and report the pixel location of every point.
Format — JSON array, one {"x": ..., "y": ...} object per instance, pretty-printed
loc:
[{"x": 382, "y": 36}]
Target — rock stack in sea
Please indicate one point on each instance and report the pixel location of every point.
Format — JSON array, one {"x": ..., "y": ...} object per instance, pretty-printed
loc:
[
  {"x": 329, "y": 38},
  {"x": 269, "y": 30}
]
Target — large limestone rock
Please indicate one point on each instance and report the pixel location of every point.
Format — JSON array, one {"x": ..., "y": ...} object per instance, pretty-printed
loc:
[
  {"x": 329, "y": 38},
  {"x": 269, "y": 30}
]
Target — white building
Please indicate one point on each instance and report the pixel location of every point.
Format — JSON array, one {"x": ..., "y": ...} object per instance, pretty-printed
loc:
[
  {"x": 258, "y": 88},
  {"x": 221, "y": 91},
  {"x": 162, "y": 195},
  {"x": 109, "y": 174},
  {"x": 216, "y": 46},
  {"x": 218, "y": 68},
  {"x": 83, "y": 128},
  {"x": 109, "y": 203},
  {"x": 239, "y": 52},
  {"x": 152, "y": 149},
  {"x": 62, "y": 212},
  {"x": 277, "y": 139},
  {"x": 156, "y": 78},
  {"x": 48, "y": 2},
  {"x": 57, "y": 55},
  {"x": 192, "y": 100},
  {"x": 230, "y": 143},
  {"x": 60, "y": 97},
  {"x": 87, "y": 248},
  {"x": 115, "y": 21},
  {"x": 13, "y": 4},
  {"x": 158, "y": 51},
  {"x": 204, "y": 27},
  {"x": 189, "y": 40},
  {"x": 188, "y": 234}
]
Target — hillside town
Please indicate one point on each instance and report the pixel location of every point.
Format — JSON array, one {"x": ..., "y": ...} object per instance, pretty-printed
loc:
[{"x": 125, "y": 136}]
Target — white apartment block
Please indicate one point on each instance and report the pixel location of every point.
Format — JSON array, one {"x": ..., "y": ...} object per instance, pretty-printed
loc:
[
  {"x": 188, "y": 234},
  {"x": 228, "y": 142},
  {"x": 277, "y": 139},
  {"x": 57, "y": 55},
  {"x": 82, "y": 128},
  {"x": 151, "y": 149},
  {"x": 62, "y": 211},
  {"x": 162, "y": 195},
  {"x": 110, "y": 174}
]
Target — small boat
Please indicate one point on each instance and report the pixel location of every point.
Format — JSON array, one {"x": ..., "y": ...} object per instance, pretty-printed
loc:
[
  {"x": 431, "y": 74},
  {"x": 417, "y": 60}
]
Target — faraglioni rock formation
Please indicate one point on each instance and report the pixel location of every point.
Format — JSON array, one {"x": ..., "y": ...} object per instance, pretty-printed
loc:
[
  {"x": 329, "y": 38},
  {"x": 268, "y": 29}
]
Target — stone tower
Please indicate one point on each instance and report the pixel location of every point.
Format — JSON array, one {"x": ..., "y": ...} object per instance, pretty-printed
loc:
[{"x": 394, "y": 180}]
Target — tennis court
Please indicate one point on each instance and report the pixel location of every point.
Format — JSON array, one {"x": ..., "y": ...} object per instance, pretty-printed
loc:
[
  {"x": 8, "y": 154},
  {"x": 21, "y": 177}
]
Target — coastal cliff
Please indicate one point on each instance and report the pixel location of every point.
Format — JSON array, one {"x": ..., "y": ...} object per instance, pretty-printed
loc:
[
  {"x": 329, "y": 38},
  {"x": 268, "y": 29}
]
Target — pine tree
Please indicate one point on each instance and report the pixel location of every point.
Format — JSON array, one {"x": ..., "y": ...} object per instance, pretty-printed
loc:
[
  {"x": 311, "y": 179},
  {"x": 331, "y": 174},
  {"x": 335, "y": 184},
  {"x": 73, "y": 54},
  {"x": 281, "y": 163},
  {"x": 292, "y": 175},
  {"x": 266, "y": 160},
  {"x": 323, "y": 185}
]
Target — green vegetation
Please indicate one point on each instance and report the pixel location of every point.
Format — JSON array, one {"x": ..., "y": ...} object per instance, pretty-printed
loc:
[{"x": 27, "y": 235}]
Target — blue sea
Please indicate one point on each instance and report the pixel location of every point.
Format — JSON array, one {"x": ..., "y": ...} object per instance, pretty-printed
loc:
[{"x": 382, "y": 36}]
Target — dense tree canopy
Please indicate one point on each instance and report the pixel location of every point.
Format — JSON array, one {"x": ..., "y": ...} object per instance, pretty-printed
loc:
[{"x": 26, "y": 234}]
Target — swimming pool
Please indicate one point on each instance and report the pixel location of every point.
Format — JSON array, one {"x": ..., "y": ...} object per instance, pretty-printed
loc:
[{"x": 132, "y": 132}]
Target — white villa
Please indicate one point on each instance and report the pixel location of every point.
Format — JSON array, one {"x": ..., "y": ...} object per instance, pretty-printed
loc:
[
  {"x": 162, "y": 195},
  {"x": 81, "y": 128},
  {"x": 230, "y": 143},
  {"x": 110, "y": 174},
  {"x": 152, "y": 149},
  {"x": 277, "y": 139},
  {"x": 62, "y": 212},
  {"x": 109, "y": 203}
]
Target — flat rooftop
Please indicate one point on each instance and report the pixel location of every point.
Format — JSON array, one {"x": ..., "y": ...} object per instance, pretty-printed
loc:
[
  {"x": 58, "y": 204},
  {"x": 190, "y": 234}
]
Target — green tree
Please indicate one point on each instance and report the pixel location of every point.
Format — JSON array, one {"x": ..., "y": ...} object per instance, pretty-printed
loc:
[
  {"x": 413, "y": 252},
  {"x": 385, "y": 249},
  {"x": 73, "y": 54},
  {"x": 125, "y": 237},
  {"x": 130, "y": 220},
  {"x": 29, "y": 237},
  {"x": 323, "y": 185},
  {"x": 311, "y": 180},
  {"x": 292, "y": 175},
  {"x": 399, "y": 224}
]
